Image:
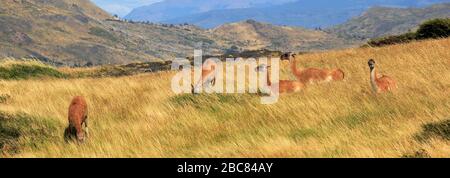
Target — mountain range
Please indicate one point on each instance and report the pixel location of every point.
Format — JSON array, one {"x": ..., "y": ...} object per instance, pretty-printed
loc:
[
  {"x": 304, "y": 13},
  {"x": 76, "y": 32},
  {"x": 172, "y": 9}
]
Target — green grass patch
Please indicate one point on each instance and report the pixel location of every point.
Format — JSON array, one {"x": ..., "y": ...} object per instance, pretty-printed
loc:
[
  {"x": 391, "y": 40},
  {"x": 438, "y": 129},
  {"x": 204, "y": 101},
  {"x": 20, "y": 131},
  {"x": 217, "y": 106},
  {"x": 4, "y": 98},
  {"x": 417, "y": 154},
  {"x": 100, "y": 32},
  {"x": 25, "y": 71},
  {"x": 301, "y": 134}
]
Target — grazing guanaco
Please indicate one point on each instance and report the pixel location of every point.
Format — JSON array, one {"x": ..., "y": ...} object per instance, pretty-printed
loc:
[
  {"x": 78, "y": 115},
  {"x": 208, "y": 76},
  {"x": 285, "y": 86},
  {"x": 313, "y": 75},
  {"x": 382, "y": 83}
]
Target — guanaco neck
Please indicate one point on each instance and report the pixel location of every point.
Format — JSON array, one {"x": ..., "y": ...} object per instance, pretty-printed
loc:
[
  {"x": 373, "y": 78},
  {"x": 294, "y": 68},
  {"x": 269, "y": 83}
]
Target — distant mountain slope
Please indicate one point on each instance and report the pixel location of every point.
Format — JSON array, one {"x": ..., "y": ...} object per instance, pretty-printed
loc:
[
  {"x": 304, "y": 13},
  {"x": 76, "y": 32},
  {"x": 251, "y": 35},
  {"x": 52, "y": 30},
  {"x": 170, "y": 9},
  {"x": 382, "y": 21}
]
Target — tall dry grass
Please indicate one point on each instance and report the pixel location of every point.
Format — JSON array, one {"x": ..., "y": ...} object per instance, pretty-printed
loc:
[{"x": 139, "y": 116}]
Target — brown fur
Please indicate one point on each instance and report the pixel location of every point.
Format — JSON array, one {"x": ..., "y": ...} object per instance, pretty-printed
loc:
[
  {"x": 385, "y": 84},
  {"x": 314, "y": 75},
  {"x": 285, "y": 86},
  {"x": 381, "y": 83},
  {"x": 78, "y": 115},
  {"x": 208, "y": 68}
]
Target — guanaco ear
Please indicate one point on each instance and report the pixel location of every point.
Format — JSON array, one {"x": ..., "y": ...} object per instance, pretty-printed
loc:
[{"x": 294, "y": 55}]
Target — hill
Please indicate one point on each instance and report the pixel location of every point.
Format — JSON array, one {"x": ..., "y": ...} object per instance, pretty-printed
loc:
[
  {"x": 251, "y": 35},
  {"x": 304, "y": 13},
  {"x": 132, "y": 117},
  {"x": 79, "y": 34},
  {"x": 383, "y": 21},
  {"x": 59, "y": 32},
  {"x": 76, "y": 32}
]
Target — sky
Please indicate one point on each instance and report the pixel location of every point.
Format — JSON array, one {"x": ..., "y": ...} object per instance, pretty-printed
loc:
[{"x": 122, "y": 7}]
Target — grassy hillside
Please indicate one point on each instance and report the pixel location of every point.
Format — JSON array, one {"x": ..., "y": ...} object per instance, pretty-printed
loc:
[
  {"x": 254, "y": 35},
  {"x": 139, "y": 116},
  {"x": 77, "y": 33},
  {"x": 13, "y": 69}
]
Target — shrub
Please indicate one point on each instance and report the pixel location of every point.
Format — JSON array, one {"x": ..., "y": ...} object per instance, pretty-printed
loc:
[{"x": 436, "y": 28}]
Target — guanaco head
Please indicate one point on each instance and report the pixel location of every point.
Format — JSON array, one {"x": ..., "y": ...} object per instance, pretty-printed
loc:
[
  {"x": 288, "y": 56},
  {"x": 285, "y": 56},
  {"x": 80, "y": 136},
  {"x": 371, "y": 64}
]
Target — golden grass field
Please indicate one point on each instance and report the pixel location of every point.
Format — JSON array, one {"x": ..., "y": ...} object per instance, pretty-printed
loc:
[{"x": 139, "y": 116}]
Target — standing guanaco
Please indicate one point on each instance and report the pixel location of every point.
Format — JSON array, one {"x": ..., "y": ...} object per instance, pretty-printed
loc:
[
  {"x": 208, "y": 76},
  {"x": 78, "y": 115},
  {"x": 380, "y": 84},
  {"x": 313, "y": 75},
  {"x": 285, "y": 86}
]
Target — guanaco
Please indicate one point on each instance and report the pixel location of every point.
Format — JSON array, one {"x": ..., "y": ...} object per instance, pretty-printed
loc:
[
  {"x": 285, "y": 86},
  {"x": 313, "y": 75},
  {"x": 382, "y": 83},
  {"x": 208, "y": 76},
  {"x": 78, "y": 117}
]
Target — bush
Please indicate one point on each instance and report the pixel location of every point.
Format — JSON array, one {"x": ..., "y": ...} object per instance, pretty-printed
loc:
[{"x": 437, "y": 28}]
